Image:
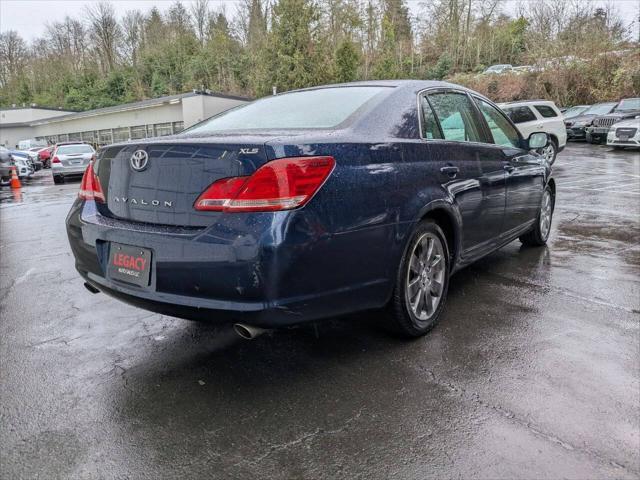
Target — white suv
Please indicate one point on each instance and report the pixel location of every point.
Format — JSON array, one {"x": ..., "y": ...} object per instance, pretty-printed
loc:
[{"x": 539, "y": 116}]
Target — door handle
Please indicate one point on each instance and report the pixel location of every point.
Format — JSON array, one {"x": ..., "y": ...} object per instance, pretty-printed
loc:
[
  {"x": 509, "y": 168},
  {"x": 450, "y": 170}
]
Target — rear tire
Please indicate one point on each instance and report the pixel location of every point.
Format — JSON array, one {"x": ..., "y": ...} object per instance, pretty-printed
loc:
[
  {"x": 58, "y": 179},
  {"x": 539, "y": 235},
  {"x": 422, "y": 282}
]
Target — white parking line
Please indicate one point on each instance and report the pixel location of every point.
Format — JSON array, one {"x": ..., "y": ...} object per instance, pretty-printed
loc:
[
  {"x": 623, "y": 192},
  {"x": 599, "y": 182}
]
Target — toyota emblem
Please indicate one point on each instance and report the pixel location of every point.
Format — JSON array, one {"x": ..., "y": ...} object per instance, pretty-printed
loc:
[{"x": 139, "y": 160}]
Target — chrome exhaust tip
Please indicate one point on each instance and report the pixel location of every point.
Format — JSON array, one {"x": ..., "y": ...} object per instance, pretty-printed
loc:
[
  {"x": 91, "y": 288},
  {"x": 248, "y": 332}
]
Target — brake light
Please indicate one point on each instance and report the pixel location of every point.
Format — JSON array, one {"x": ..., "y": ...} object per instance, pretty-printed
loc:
[
  {"x": 281, "y": 184},
  {"x": 90, "y": 188},
  {"x": 55, "y": 160}
]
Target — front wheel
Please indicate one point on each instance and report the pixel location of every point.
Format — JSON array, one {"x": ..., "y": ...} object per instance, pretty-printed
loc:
[
  {"x": 539, "y": 234},
  {"x": 422, "y": 282}
]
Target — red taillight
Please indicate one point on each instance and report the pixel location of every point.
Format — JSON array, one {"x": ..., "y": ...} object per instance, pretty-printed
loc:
[
  {"x": 278, "y": 185},
  {"x": 55, "y": 160},
  {"x": 90, "y": 188}
]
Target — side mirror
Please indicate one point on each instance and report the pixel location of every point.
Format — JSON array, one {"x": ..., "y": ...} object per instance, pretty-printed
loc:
[{"x": 537, "y": 140}]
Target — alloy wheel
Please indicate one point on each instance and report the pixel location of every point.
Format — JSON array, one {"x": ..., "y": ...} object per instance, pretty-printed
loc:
[
  {"x": 546, "y": 211},
  {"x": 425, "y": 276},
  {"x": 549, "y": 152}
]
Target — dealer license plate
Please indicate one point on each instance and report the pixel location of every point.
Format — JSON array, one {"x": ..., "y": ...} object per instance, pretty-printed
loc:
[{"x": 129, "y": 264}]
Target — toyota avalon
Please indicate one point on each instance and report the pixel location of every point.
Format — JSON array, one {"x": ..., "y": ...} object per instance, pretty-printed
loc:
[{"x": 311, "y": 204}]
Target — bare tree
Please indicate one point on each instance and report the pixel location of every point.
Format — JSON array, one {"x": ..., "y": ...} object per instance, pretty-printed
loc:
[
  {"x": 200, "y": 19},
  {"x": 105, "y": 33},
  {"x": 13, "y": 55},
  {"x": 133, "y": 29},
  {"x": 67, "y": 41}
]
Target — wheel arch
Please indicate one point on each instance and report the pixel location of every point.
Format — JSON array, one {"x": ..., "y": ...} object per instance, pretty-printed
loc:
[{"x": 449, "y": 220}]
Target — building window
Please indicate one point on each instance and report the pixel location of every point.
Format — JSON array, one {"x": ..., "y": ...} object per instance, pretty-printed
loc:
[
  {"x": 120, "y": 134},
  {"x": 104, "y": 137},
  {"x": 88, "y": 137},
  {"x": 63, "y": 137},
  {"x": 178, "y": 127},
  {"x": 138, "y": 132},
  {"x": 150, "y": 131},
  {"x": 163, "y": 129},
  {"x": 75, "y": 137},
  {"x": 51, "y": 139}
]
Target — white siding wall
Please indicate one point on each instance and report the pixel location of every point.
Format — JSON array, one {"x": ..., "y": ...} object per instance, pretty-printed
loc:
[
  {"x": 189, "y": 110},
  {"x": 22, "y": 115}
]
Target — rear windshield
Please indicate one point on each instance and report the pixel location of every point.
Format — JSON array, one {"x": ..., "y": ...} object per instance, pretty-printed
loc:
[
  {"x": 71, "y": 149},
  {"x": 629, "y": 104},
  {"x": 322, "y": 108},
  {"x": 520, "y": 114},
  {"x": 546, "y": 111},
  {"x": 600, "y": 109}
]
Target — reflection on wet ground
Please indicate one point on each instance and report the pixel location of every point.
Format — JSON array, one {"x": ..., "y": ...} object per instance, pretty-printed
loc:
[{"x": 532, "y": 373}]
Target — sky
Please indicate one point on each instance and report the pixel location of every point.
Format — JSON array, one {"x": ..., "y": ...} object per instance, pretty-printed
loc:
[{"x": 29, "y": 17}]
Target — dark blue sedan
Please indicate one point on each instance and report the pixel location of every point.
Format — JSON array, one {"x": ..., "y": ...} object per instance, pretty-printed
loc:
[{"x": 312, "y": 204}]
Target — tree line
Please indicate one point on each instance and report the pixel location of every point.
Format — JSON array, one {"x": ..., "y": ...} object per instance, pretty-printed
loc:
[{"x": 98, "y": 58}]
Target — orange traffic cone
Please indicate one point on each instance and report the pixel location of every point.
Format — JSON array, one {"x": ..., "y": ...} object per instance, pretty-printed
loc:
[{"x": 15, "y": 181}]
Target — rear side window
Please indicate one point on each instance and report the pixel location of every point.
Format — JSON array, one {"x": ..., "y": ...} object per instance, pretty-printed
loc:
[
  {"x": 546, "y": 111},
  {"x": 321, "y": 108},
  {"x": 430, "y": 129},
  {"x": 457, "y": 116},
  {"x": 520, "y": 114},
  {"x": 504, "y": 134}
]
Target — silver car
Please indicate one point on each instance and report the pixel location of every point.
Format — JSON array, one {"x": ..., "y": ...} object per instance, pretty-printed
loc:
[{"x": 70, "y": 160}]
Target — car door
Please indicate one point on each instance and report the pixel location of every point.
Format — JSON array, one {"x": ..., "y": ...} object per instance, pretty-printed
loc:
[
  {"x": 525, "y": 171},
  {"x": 469, "y": 170}
]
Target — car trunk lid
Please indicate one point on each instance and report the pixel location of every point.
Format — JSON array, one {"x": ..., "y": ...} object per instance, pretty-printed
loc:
[
  {"x": 75, "y": 159},
  {"x": 159, "y": 182}
]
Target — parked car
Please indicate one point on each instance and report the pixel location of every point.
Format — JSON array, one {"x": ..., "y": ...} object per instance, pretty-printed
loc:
[
  {"x": 45, "y": 156},
  {"x": 523, "y": 69},
  {"x": 24, "y": 156},
  {"x": 70, "y": 160},
  {"x": 6, "y": 163},
  {"x": 498, "y": 69},
  {"x": 33, "y": 157},
  {"x": 312, "y": 203},
  {"x": 599, "y": 129},
  {"x": 31, "y": 143},
  {"x": 577, "y": 126},
  {"x": 21, "y": 162},
  {"x": 625, "y": 133},
  {"x": 539, "y": 116},
  {"x": 574, "y": 111}
]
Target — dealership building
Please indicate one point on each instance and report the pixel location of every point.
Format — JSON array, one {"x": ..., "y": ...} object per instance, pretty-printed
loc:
[{"x": 131, "y": 121}]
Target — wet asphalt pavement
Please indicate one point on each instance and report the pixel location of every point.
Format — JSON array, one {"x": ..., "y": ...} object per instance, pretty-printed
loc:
[{"x": 533, "y": 372}]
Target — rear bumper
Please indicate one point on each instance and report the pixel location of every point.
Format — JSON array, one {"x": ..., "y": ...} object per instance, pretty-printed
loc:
[
  {"x": 575, "y": 133},
  {"x": 268, "y": 269},
  {"x": 68, "y": 171}
]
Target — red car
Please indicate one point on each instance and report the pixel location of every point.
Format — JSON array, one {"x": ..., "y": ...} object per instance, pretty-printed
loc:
[{"x": 45, "y": 156}]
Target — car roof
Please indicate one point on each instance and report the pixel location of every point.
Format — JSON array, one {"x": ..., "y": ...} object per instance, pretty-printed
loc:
[
  {"x": 515, "y": 103},
  {"x": 402, "y": 83}
]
